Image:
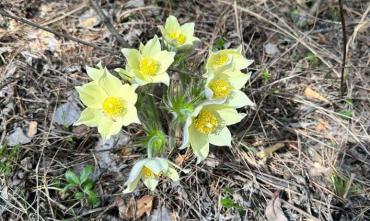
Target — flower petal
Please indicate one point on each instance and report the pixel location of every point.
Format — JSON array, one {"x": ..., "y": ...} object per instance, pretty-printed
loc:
[
  {"x": 109, "y": 83},
  {"x": 107, "y": 127},
  {"x": 162, "y": 78},
  {"x": 128, "y": 94},
  {"x": 165, "y": 60},
  {"x": 152, "y": 47},
  {"x": 132, "y": 185},
  {"x": 151, "y": 182},
  {"x": 187, "y": 29},
  {"x": 90, "y": 117},
  {"x": 172, "y": 25},
  {"x": 238, "y": 79},
  {"x": 223, "y": 138},
  {"x": 92, "y": 95},
  {"x": 94, "y": 73},
  {"x": 199, "y": 144},
  {"x": 172, "y": 174},
  {"x": 132, "y": 56},
  {"x": 157, "y": 165},
  {"x": 239, "y": 99},
  {"x": 230, "y": 115},
  {"x": 136, "y": 171},
  {"x": 130, "y": 116}
]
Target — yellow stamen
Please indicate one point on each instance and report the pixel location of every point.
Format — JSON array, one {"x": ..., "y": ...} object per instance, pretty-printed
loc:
[
  {"x": 221, "y": 88},
  {"x": 147, "y": 172},
  {"x": 178, "y": 37},
  {"x": 113, "y": 106},
  {"x": 148, "y": 66},
  {"x": 219, "y": 59},
  {"x": 206, "y": 122}
]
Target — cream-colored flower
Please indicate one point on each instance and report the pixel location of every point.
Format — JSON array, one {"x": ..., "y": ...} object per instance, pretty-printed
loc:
[
  {"x": 224, "y": 87},
  {"x": 208, "y": 124},
  {"x": 226, "y": 59},
  {"x": 149, "y": 171},
  {"x": 148, "y": 64},
  {"x": 179, "y": 36},
  {"x": 110, "y": 104}
]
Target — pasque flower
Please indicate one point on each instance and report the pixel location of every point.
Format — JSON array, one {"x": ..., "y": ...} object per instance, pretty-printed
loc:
[
  {"x": 224, "y": 87},
  {"x": 179, "y": 36},
  {"x": 149, "y": 171},
  {"x": 147, "y": 65},
  {"x": 208, "y": 124},
  {"x": 226, "y": 59},
  {"x": 110, "y": 104}
]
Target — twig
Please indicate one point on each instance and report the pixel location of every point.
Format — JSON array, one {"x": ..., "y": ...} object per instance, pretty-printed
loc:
[
  {"x": 344, "y": 46},
  {"x": 6, "y": 14},
  {"x": 107, "y": 23}
]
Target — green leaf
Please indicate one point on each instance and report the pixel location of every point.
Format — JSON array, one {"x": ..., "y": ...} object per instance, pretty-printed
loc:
[
  {"x": 345, "y": 114},
  {"x": 86, "y": 172},
  {"x": 88, "y": 185},
  {"x": 72, "y": 178},
  {"x": 219, "y": 44},
  {"x": 92, "y": 199},
  {"x": 227, "y": 203},
  {"x": 79, "y": 195}
]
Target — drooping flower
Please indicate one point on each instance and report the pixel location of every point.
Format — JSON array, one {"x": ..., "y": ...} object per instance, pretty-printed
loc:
[
  {"x": 179, "y": 36},
  {"x": 226, "y": 59},
  {"x": 224, "y": 87},
  {"x": 149, "y": 171},
  {"x": 208, "y": 124},
  {"x": 148, "y": 64},
  {"x": 110, "y": 104}
]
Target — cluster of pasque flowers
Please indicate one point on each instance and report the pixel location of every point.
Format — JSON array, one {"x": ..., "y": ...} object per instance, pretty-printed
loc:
[{"x": 203, "y": 113}]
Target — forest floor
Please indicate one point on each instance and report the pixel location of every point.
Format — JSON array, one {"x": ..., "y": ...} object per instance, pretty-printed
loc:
[{"x": 302, "y": 153}]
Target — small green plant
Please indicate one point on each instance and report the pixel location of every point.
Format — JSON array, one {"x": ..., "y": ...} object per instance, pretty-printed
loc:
[
  {"x": 7, "y": 158},
  {"x": 219, "y": 44},
  {"x": 346, "y": 114},
  {"x": 266, "y": 75},
  {"x": 228, "y": 202},
  {"x": 312, "y": 59},
  {"x": 82, "y": 186}
]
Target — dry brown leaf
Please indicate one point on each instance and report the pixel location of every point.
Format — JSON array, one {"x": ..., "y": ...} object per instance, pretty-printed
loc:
[
  {"x": 269, "y": 150},
  {"x": 144, "y": 206},
  {"x": 322, "y": 126},
  {"x": 273, "y": 210},
  {"x": 32, "y": 129},
  {"x": 311, "y": 94},
  {"x": 126, "y": 211}
]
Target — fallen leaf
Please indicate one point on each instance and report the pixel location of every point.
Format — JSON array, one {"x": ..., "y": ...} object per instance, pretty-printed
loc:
[
  {"x": 269, "y": 150},
  {"x": 161, "y": 214},
  {"x": 271, "y": 49},
  {"x": 32, "y": 129},
  {"x": 322, "y": 126},
  {"x": 144, "y": 206},
  {"x": 40, "y": 40},
  {"x": 126, "y": 211},
  {"x": 311, "y": 94},
  {"x": 18, "y": 137},
  {"x": 273, "y": 210},
  {"x": 66, "y": 114},
  {"x": 89, "y": 19}
]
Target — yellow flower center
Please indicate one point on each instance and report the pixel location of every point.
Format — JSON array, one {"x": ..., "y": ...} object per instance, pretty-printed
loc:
[
  {"x": 221, "y": 88},
  {"x": 113, "y": 106},
  {"x": 206, "y": 122},
  {"x": 147, "y": 172},
  {"x": 148, "y": 66},
  {"x": 178, "y": 37},
  {"x": 219, "y": 59}
]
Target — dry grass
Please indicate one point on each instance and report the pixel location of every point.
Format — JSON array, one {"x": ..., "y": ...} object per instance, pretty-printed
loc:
[{"x": 321, "y": 168}]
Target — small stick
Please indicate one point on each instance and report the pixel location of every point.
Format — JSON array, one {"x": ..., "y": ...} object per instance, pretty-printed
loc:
[
  {"x": 107, "y": 23},
  {"x": 344, "y": 46},
  {"x": 6, "y": 14}
]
